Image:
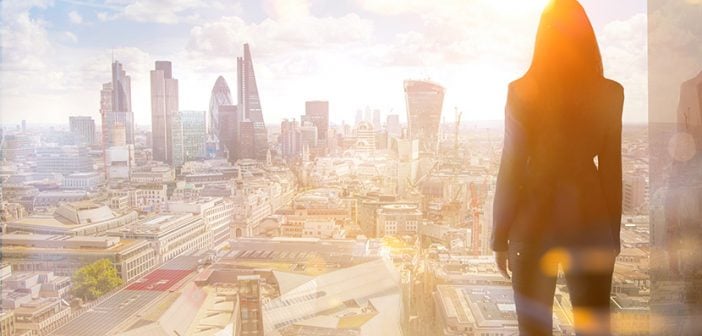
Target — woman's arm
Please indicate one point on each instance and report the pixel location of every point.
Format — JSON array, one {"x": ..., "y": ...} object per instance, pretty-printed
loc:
[
  {"x": 610, "y": 167},
  {"x": 509, "y": 178}
]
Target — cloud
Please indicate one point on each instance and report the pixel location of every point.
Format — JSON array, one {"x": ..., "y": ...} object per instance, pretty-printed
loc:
[
  {"x": 624, "y": 48},
  {"x": 70, "y": 37},
  {"x": 168, "y": 11},
  {"x": 103, "y": 16},
  {"x": 74, "y": 17},
  {"x": 25, "y": 42},
  {"x": 457, "y": 32},
  {"x": 223, "y": 38},
  {"x": 286, "y": 9}
]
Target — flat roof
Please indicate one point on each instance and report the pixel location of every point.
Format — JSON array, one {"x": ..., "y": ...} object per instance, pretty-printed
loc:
[{"x": 483, "y": 306}]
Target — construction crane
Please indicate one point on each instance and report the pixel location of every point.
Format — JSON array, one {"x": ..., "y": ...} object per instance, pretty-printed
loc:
[{"x": 457, "y": 129}]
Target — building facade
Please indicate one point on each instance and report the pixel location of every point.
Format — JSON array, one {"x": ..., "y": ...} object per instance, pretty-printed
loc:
[
  {"x": 164, "y": 107},
  {"x": 194, "y": 134},
  {"x": 221, "y": 95},
  {"x": 83, "y": 129},
  {"x": 250, "y": 103},
  {"x": 424, "y": 102}
]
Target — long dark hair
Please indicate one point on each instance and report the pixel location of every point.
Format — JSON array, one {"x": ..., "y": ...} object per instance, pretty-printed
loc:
[{"x": 566, "y": 49}]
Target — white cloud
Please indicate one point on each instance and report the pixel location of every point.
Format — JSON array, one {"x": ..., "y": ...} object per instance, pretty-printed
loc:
[
  {"x": 287, "y": 9},
  {"x": 223, "y": 38},
  {"x": 74, "y": 17},
  {"x": 25, "y": 42},
  {"x": 70, "y": 37},
  {"x": 103, "y": 16},
  {"x": 625, "y": 56},
  {"x": 171, "y": 11}
]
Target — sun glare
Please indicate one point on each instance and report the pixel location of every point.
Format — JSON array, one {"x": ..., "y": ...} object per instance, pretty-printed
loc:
[{"x": 520, "y": 6}]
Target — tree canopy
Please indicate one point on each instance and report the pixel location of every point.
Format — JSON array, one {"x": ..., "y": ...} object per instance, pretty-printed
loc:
[{"x": 95, "y": 279}]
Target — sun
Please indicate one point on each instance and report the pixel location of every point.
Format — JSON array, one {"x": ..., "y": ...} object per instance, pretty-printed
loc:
[{"x": 520, "y": 6}]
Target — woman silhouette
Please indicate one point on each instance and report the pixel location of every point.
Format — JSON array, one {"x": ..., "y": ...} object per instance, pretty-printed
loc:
[{"x": 559, "y": 188}]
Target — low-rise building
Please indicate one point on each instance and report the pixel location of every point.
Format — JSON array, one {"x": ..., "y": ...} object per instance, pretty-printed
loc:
[
  {"x": 170, "y": 235},
  {"x": 153, "y": 174},
  {"x": 302, "y": 227},
  {"x": 52, "y": 198},
  {"x": 64, "y": 160},
  {"x": 146, "y": 197},
  {"x": 398, "y": 220},
  {"x": 484, "y": 310},
  {"x": 217, "y": 214},
  {"x": 7, "y": 323},
  {"x": 83, "y": 181},
  {"x": 63, "y": 255},
  {"x": 74, "y": 219},
  {"x": 40, "y": 317}
]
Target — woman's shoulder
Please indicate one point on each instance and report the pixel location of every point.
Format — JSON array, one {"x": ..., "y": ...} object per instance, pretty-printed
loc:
[
  {"x": 523, "y": 89},
  {"x": 612, "y": 87}
]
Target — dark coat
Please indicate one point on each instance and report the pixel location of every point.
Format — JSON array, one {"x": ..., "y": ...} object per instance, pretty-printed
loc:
[{"x": 550, "y": 190}]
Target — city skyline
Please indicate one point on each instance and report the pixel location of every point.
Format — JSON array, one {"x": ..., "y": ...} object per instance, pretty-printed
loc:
[{"x": 300, "y": 52}]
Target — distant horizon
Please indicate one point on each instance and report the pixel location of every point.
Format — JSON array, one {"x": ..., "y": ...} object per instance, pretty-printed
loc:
[
  {"x": 277, "y": 125},
  {"x": 353, "y": 54}
]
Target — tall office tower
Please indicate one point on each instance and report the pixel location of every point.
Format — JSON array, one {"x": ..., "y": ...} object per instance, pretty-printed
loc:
[
  {"x": 359, "y": 117},
  {"x": 83, "y": 129},
  {"x": 121, "y": 108},
  {"x": 317, "y": 112},
  {"x": 250, "y": 305},
  {"x": 105, "y": 109},
  {"x": 247, "y": 140},
  {"x": 229, "y": 119},
  {"x": 367, "y": 115},
  {"x": 164, "y": 107},
  {"x": 393, "y": 125},
  {"x": 194, "y": 134},
  {"x": 424, "y": 101},
  {"x": 289, "y": 139},
  {"x": 176, "y": 149},
  {"x": 250, "y": 103},
  {"x": 376, "y": 120},
  {"x": 220, "y": 96}
]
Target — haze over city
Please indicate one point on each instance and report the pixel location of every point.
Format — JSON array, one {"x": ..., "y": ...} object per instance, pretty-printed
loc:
[
  {"x": 353, "y": 53},
  {"x": 350, "y": 167}
]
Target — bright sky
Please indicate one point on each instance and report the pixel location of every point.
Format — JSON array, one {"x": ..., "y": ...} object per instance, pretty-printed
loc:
[{"x": 354, "y": 53}]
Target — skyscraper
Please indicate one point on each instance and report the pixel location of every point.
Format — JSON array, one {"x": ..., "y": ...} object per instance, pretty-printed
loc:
[
  {"x": 229, "y": 119},
  {"x": 220, "y": 96},
  {"x": 194, "y": 129},
  {"x": 247, "y": 140},
  {"x": 376, "y": 119},
  {"x": 250, "y": 103},
  {"x": 176, "y": 138},
  {"x": 83, "y": 129},
  {"x": 317, "y": 112},
  {"x": 164, "y": 107},
  {"x": 121, "y": 105},
  {"x": 424, "y": 101},
  {"x": 289, "y": 139},
  {"x": 105, "y": 108},
  {"x": 393, "y": 125}
]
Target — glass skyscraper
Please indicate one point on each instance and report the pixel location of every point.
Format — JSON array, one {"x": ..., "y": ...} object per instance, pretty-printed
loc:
[
  {"x": 424, "y": 103},
  {"x": 250, "y": 103}
]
